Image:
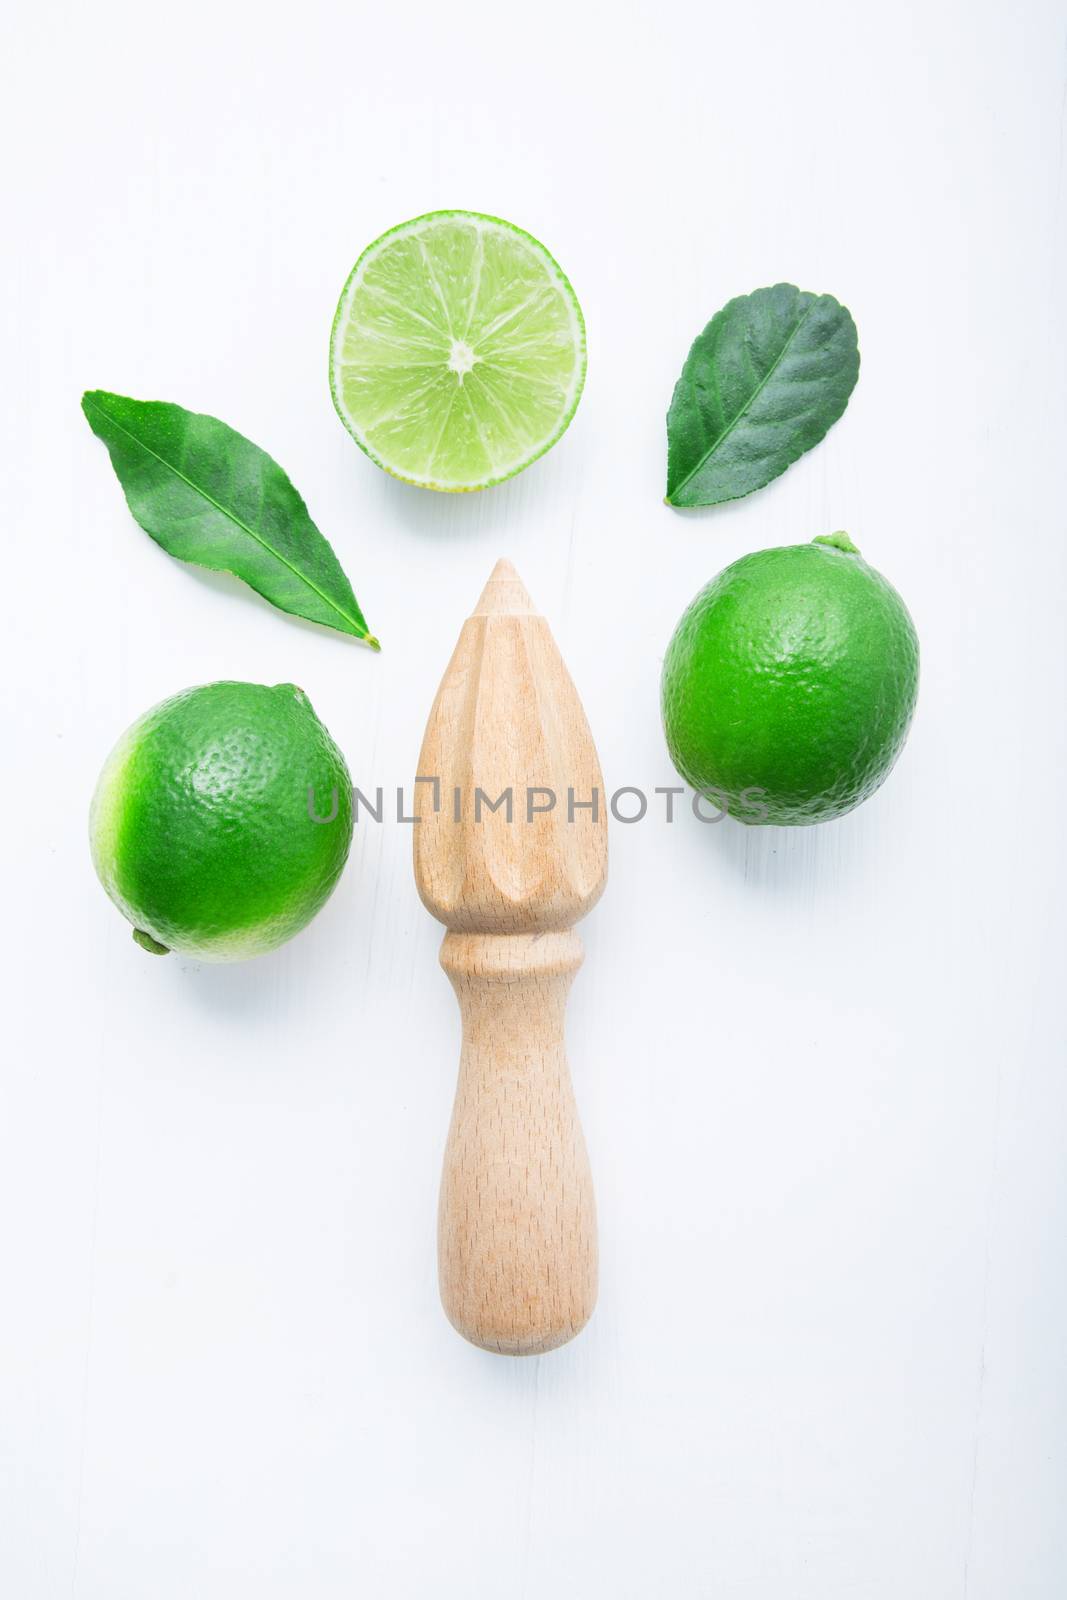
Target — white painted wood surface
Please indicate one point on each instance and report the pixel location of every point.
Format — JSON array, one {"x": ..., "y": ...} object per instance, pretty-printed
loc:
[{"x": 821, "y": 1073}]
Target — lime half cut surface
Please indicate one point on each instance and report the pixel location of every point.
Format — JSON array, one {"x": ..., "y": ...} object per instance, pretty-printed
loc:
[{"x": 458, "y": 351}]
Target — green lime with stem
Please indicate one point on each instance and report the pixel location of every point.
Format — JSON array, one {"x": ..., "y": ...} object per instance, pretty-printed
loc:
[
  {"x": 222, "y": 820},
  {"x": 790, "y": 682}
]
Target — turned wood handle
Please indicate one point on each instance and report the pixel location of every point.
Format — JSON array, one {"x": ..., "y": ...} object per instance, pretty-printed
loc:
[{"x": 517, "y": 1222}]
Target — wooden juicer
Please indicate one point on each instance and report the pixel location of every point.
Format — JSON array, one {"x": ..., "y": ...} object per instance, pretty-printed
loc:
[{"x": 517, "y": 1248}]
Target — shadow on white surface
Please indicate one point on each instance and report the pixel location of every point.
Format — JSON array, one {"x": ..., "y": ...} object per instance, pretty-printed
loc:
[
  {"x": 233, "y": 588},
  {"x": 774, "y": 859},
  {"x": 430, "y": 513}
]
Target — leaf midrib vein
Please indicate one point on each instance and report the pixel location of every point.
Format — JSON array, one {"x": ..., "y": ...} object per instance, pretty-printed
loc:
[
  {"x": 753, "y": 397},
  {"x": 224, "y": 511}
]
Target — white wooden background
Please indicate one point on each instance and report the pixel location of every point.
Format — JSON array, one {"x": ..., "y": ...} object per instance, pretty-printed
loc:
[{"x": 821, "y": 1072}]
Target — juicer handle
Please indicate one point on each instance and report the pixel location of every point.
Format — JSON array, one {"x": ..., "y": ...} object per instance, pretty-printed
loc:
[{"x": 517, "y": 1248}]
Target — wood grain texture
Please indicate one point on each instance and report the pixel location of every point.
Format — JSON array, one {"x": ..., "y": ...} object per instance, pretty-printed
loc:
[
  {"x": 510, "y": 851},
  {"x": 517, "y": 1222}
]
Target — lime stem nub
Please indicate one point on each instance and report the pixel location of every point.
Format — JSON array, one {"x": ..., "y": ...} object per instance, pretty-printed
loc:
[
  {"x": 838, "y": 541},
  {"x": 146, "y": 941}
]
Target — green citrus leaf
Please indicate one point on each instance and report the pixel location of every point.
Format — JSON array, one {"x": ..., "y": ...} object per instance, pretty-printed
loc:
[
  {"x": 210, "y": 496},
  {"x": 770, "y": 374}
]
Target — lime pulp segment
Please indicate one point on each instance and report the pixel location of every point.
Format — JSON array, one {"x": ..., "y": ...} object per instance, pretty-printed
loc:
[{"x": 458, "y": 351}]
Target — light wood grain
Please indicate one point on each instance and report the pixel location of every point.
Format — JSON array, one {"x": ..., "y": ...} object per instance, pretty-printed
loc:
[{"x": 517, "y": 1221}]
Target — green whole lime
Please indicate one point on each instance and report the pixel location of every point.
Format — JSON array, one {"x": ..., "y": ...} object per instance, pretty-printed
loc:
[
  {"x": 211, "y": 824},
  {"x": 790, "y": 683}
]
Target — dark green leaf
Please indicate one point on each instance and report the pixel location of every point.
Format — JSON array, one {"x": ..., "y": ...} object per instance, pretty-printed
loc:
[
  {"x": 770, "y": 374},
  {"x": 208, "y": 495}
]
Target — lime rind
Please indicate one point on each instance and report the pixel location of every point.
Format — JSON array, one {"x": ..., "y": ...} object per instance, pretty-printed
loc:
[
  {"x": 201, "y": 827},
  {"x": 789, "y": 684},
  {"x": 486, "y": 383}
]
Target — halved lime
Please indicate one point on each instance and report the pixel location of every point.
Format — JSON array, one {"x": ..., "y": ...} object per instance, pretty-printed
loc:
[{"x": 458, "y": 351}]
